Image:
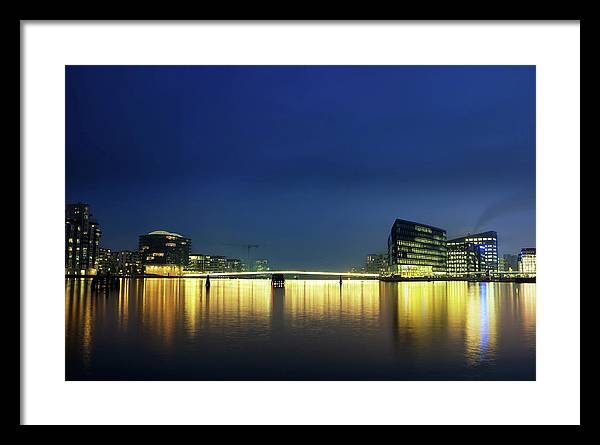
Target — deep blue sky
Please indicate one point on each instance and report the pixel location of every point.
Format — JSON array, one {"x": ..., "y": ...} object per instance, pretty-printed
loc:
[{"x": 313, "y": 163}]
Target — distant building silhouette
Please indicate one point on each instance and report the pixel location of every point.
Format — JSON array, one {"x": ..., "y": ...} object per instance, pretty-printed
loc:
[
  {"x": 509, "y": 263},
  {"x": 233, "y": 265},
  {"x": 376, "y": 263}
]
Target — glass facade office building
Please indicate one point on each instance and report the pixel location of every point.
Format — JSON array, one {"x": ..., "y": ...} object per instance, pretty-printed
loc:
[
  {"x": 416, "y": 249},
  {"x": 464, "y": 257},
  {"x": 477, "y": 253}
]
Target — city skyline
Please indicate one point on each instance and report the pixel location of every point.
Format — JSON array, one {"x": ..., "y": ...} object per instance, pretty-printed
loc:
[
  {"x": 311, "y": 163},
  {"x": 414, "y": 250}
]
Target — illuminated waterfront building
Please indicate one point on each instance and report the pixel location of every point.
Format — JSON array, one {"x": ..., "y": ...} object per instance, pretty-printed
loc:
[
  {"x": 164, "y": 253},
  {"x": 213, "y": 263},
  {"x": 82, "y": 240},
  {"x": 106, "y": 264},
  {"x": 464, "y": 257},
  {"x": 207, "y": 263},
  {"x": 121, "y": 263},
  {"x": 261, "y": 265},
  {"x": 376, "y": 263},
  {"x": 233, "y": 265},
  {"x": 195, "y": 263},
  {"x": 527, "y": 260},
  {"x": 416, "y": 249},
  {"x": 477, "y": 253},
  {"x": 128, "y": 263}
]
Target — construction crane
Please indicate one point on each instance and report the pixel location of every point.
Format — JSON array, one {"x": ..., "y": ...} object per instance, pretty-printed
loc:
[{"x": 247, "y": 246}]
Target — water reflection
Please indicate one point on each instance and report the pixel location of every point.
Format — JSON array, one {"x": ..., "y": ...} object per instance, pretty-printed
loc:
[
  {"x": 277, "y": 311},
  {"x": 313, "y": 329}
]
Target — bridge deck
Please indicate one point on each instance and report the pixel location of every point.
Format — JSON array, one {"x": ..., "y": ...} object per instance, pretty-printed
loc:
[{"x": 284, "y": 272}]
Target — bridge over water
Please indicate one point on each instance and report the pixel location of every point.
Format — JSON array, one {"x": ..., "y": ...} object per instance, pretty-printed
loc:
[
  {"x": 279, "y": 276},
  {"x": 282, "y": 274},
  {"x": 268, "y": 273}
]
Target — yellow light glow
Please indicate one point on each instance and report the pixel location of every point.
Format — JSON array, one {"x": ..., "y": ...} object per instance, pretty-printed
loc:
[{"x": 285, "y": 272}]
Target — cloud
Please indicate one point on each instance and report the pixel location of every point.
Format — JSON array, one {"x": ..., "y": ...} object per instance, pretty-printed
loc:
[{"x": 511, "y": 204}]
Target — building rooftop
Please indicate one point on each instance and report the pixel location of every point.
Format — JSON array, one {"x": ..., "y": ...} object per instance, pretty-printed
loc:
[
  {"x": 490, "y": 234},
  {"x": 406, "y": 221},
  {"x": 164, "y": 232}
]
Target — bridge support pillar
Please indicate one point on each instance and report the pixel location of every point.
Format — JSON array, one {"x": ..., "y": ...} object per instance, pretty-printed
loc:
[{"x": 278, "y": 280}]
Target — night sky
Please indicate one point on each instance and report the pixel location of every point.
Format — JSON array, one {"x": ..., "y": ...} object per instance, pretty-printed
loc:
[{"x": 313, "y": 163}]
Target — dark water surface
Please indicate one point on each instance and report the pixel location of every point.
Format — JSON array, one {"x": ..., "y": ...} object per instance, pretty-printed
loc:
[{"x": 242, "y": 329}]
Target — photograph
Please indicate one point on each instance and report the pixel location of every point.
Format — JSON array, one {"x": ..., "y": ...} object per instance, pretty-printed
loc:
[{"x": 300, "y": 222}]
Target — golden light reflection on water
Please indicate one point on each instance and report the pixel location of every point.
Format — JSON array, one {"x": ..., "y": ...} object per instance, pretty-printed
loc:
[
  {"x": 428, "y": 322},
  {"x": 79, "y": 316},
  {"x": 171, "y": 308},
  {"x": 480, "y": 323},
  {"x": 320, "y": 299}
]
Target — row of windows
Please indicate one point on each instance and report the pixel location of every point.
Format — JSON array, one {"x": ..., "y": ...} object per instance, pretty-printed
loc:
[
  {"x": 423, "y": 229},
  {"x": 430, "y": 241},
  {"x": 400, "y": 233},
  {"x": 417, "y": 243},
  {"x": 423, "y": 257},
  {"x": 441, "y": 253},
  {"x": 419, "y": 262},
  {"x": 409, "y": 227}
]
